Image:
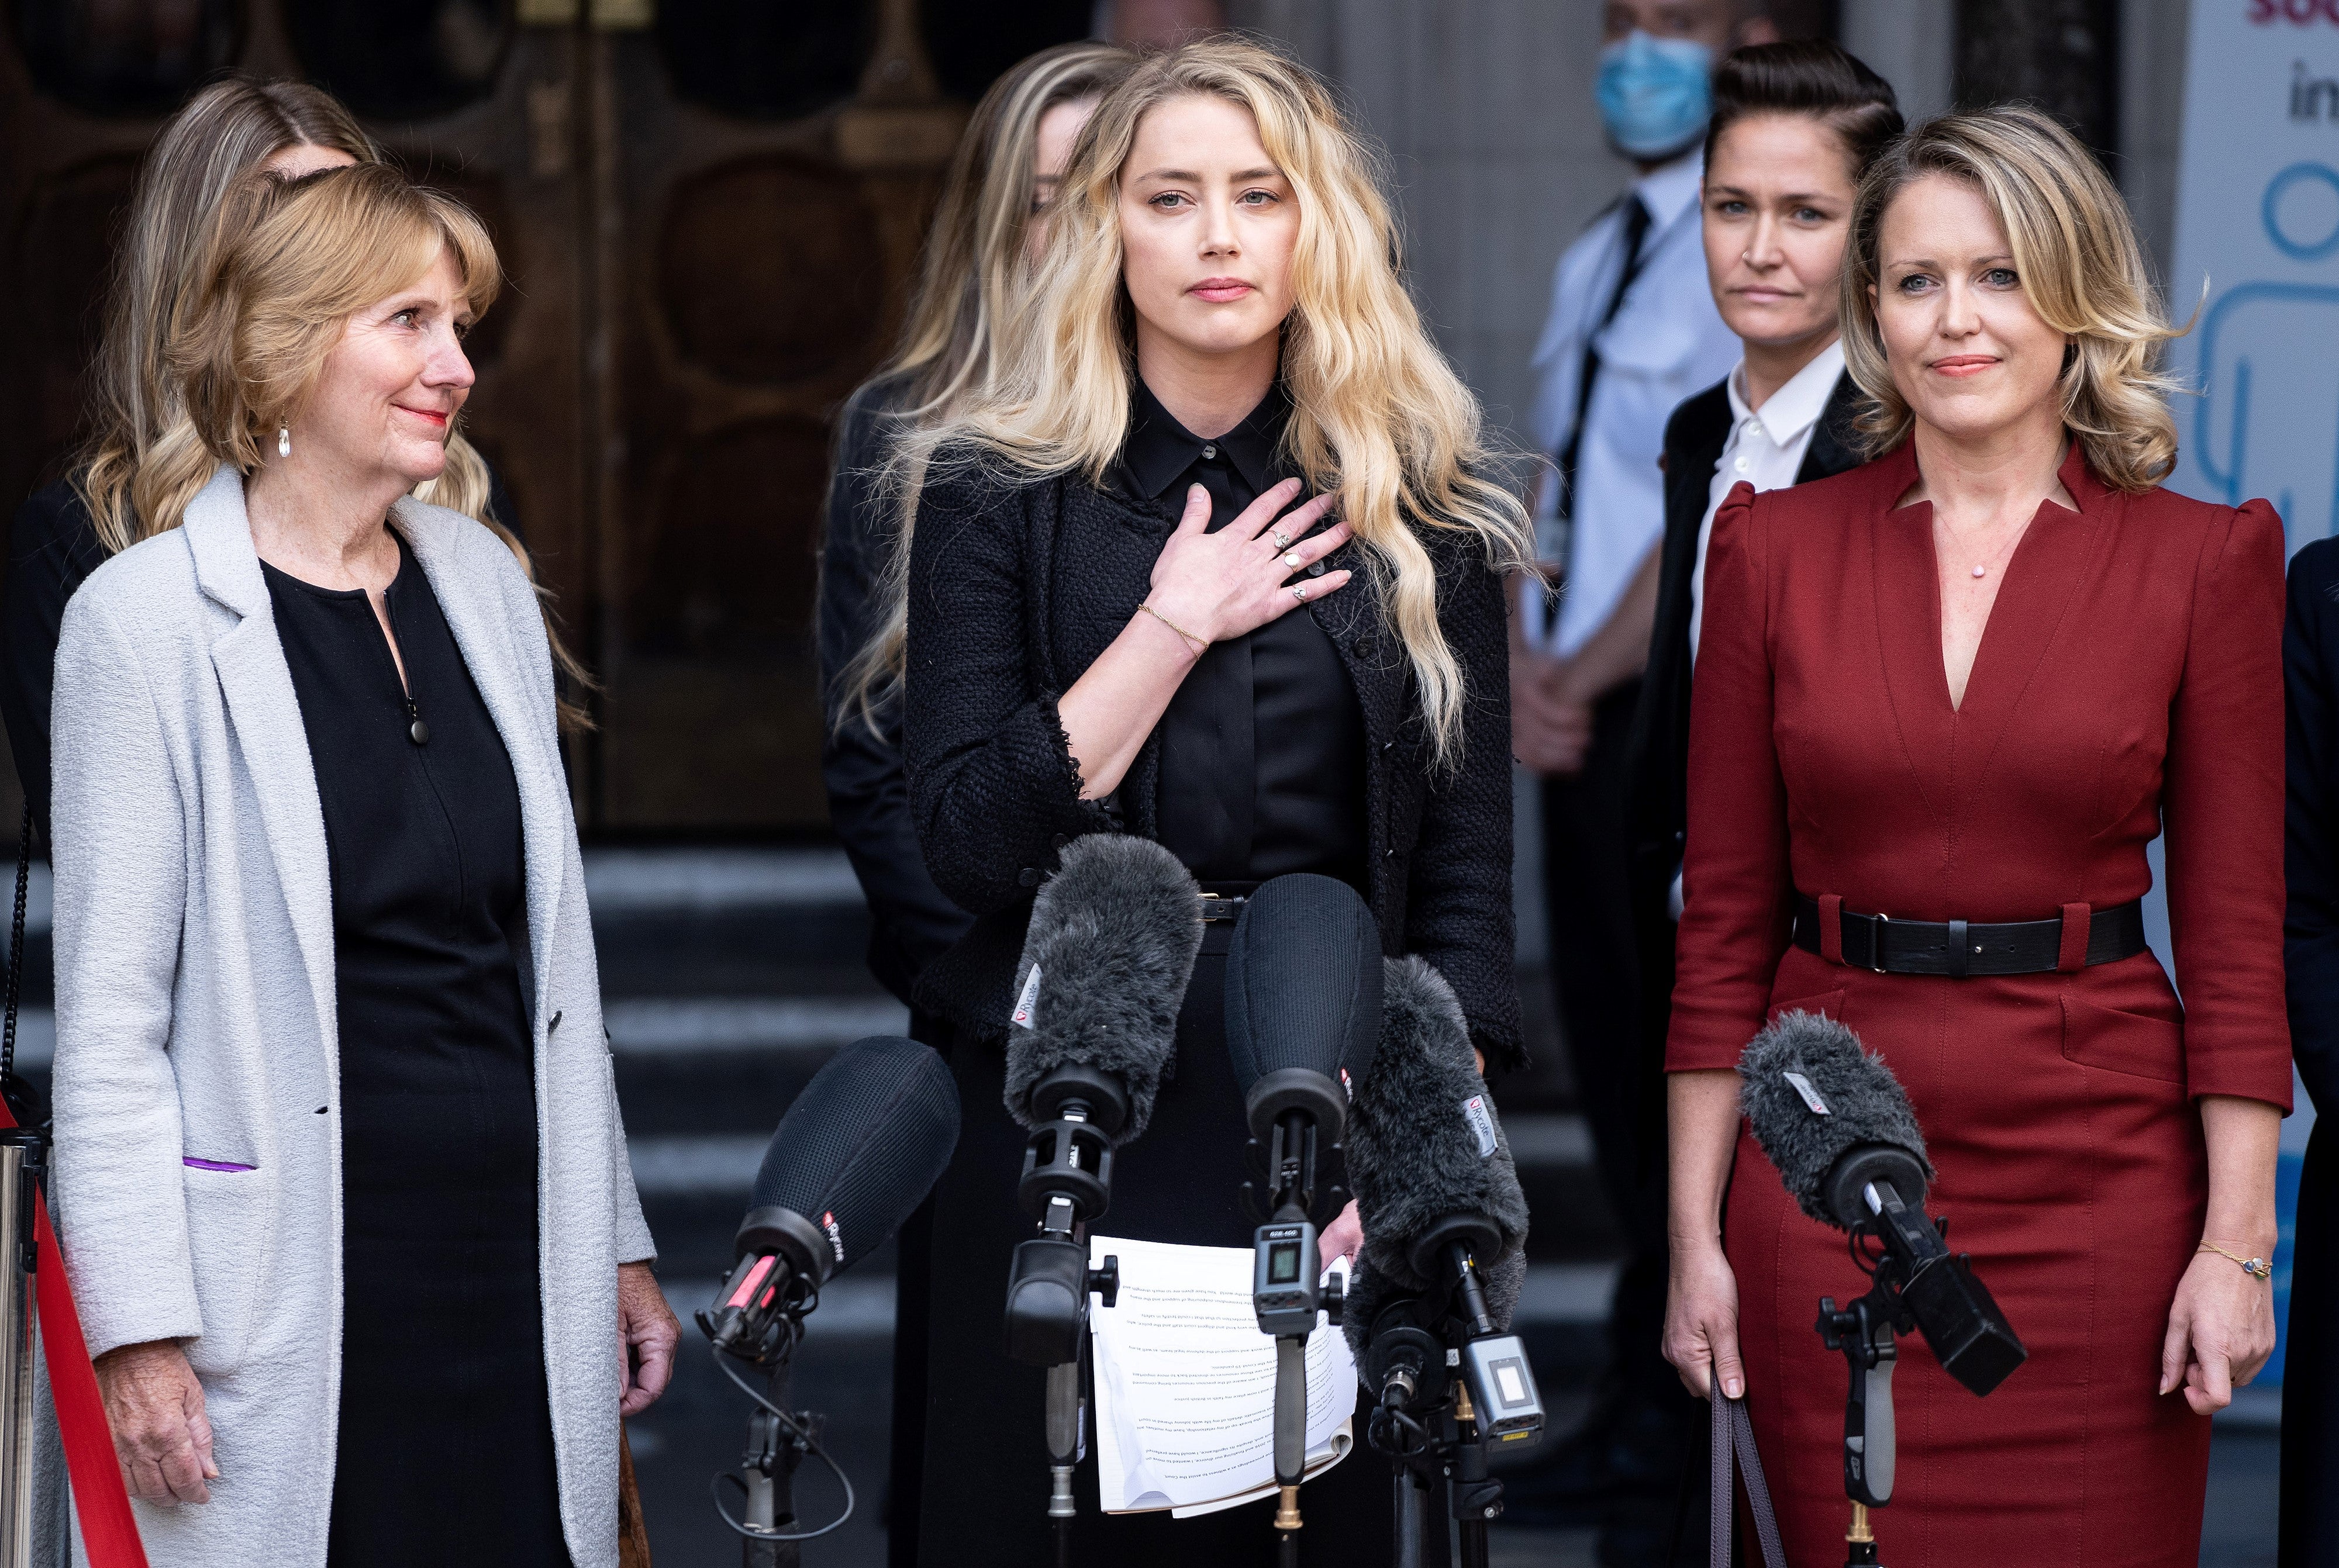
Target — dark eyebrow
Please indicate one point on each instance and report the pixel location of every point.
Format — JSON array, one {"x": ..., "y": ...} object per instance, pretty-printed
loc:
[
  {"x": 1788, "y": 196},
  {"x": 1187, "y": 176}
]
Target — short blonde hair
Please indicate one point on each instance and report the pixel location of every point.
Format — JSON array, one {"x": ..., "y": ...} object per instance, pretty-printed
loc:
[
  {"x": 2076, "y": 251},
  {"x": 289, "y": 263},
  {"x": 232, "y": 126}
]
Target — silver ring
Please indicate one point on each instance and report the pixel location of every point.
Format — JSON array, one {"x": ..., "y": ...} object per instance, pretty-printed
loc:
[
  {"x": 1301, "y": 592},
  {"x": 1291, "y": 558},
  {"x": 1282, "y": 540}
]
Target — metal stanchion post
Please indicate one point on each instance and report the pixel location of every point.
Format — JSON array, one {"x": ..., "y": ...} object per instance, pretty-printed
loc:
[{"x": 22, "y": 1156}]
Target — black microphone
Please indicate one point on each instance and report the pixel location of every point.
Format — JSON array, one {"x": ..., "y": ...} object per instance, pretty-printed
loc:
[
  {"x": 1106, "y": 959},
  {"x": 1303, "y": 1020},
  {"x": 1438, "y": 1196},
  {"x": 1835, "y": 1122},
  {"x": 858, "y": 1149}
]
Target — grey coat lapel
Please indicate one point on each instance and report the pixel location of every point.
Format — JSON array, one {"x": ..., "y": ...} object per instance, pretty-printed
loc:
[
  {"x": 465, "y": 583},
  {"x": 264, "y": 713}
]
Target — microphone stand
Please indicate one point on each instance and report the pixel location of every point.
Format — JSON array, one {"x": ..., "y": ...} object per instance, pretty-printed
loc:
[
  {"x": 1286, "y": 1297},
  {"x": 1067, "y": 1184},
  {"x": 1866, "y": 1333},
  {"x": 758, "y": 1318},
  {"x": 1424, "y": 1356},
  {"x": 769, "y": 1468}
]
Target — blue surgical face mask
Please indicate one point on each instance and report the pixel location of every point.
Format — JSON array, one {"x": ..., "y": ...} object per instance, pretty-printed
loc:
[{"x": 1655, "y": 93}]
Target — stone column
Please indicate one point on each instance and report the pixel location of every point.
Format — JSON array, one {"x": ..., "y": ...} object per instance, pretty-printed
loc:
[{"x": 2061, "y": 55}]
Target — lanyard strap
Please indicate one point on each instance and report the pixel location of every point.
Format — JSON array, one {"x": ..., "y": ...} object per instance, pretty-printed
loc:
[{"x": 1733, "y": 1433}]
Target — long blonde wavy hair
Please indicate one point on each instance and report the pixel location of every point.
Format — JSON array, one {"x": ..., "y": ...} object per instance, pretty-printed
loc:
[
  {"x": 975, "y": 264},
  {"x": 1376, "y": 412},
  {"x": 2076, "y": 251}
]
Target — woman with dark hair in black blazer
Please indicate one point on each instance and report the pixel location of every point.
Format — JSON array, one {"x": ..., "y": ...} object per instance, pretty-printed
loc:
[
  {"x": 1123, "y": 617},
  {"x": 2310, "y": 1374},
  {"x": 1794, "y": 127}
]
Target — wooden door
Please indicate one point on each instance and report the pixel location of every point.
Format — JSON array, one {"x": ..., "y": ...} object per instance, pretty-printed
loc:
[
  {"x": 710, "y": 212},
  {"x": 762, "y": 190}
]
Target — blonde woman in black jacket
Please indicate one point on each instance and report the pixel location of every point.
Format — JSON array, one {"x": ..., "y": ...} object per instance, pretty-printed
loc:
[{"x": 1131, "y": 606}]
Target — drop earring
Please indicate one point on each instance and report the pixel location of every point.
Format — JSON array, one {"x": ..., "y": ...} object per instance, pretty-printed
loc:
[{"x": 283, "y": 440}]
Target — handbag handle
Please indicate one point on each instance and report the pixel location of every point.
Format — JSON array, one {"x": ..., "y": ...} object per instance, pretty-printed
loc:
[
  {"x": 23, "y": 1103},
  {"x": 1734, "y": 1435}
]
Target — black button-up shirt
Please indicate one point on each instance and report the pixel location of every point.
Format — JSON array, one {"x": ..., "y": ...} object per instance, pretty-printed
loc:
[{"x": 1263, "y": 746}]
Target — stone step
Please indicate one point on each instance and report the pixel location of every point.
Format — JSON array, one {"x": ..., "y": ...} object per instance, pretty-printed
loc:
[{"x": 727, "y": 922}]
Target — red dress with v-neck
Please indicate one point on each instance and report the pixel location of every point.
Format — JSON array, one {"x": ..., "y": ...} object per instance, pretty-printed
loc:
[{"x": 2130, "y": 671}]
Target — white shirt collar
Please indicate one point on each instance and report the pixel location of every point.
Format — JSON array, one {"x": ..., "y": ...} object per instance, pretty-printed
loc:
[
  {"x": 1795, "y": 407},
  {"x": 1669, "y": 189}
]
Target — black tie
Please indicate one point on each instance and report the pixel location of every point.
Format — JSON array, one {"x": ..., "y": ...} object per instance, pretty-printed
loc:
[{"x": 1636, "y": 229}]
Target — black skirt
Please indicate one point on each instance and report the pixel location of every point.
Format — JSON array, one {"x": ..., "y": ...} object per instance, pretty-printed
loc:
[{"x": 984, "y": 1482}]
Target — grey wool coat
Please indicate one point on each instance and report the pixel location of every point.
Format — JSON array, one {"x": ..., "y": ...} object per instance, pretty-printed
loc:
[{"x": 196, "y": 1019}]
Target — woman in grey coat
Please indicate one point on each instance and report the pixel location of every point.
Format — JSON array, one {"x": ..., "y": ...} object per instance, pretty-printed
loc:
[{"x": 340, "y": 1177}]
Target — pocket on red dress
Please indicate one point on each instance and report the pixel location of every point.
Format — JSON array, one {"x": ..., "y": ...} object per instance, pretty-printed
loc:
[{"x": 2112, "y": 1040}]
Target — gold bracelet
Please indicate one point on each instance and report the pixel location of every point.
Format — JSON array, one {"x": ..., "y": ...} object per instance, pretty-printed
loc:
[
  {"x": 1201, "y": 644},
  {"x": 2256, "y": 1267}
]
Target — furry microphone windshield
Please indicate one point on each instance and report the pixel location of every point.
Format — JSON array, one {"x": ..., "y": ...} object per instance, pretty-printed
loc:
[
  {"x": 1812, "y": 1094},
  {"x": 1425, "y": 1147},
  {"x": 1105, "y": 963}
]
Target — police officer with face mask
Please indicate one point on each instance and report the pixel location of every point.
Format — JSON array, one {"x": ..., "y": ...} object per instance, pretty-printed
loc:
[{"x": 1633, "y": 333}]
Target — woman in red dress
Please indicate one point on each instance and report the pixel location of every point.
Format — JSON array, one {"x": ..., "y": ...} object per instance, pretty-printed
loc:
[{"x": 1969, "y": 682}]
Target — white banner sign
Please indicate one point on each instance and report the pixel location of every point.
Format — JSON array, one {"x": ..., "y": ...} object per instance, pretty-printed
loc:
[{"x": 2257, "y": 215}]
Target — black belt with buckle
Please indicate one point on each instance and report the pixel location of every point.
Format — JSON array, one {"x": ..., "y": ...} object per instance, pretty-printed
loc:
[
  {"x": 1222, "y": 902},
  {"x": 1959, "y": 948}
]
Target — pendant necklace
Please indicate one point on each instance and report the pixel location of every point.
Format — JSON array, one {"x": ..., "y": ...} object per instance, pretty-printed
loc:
[{"x": 1981, "y": 569}]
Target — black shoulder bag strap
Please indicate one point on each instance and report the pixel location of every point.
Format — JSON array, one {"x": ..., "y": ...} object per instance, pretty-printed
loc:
[
  {"x": 23, "y": 1101},
  {"x": 1733, "y": 1433}
]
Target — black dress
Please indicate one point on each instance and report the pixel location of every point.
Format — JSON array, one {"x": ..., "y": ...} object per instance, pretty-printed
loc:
[
  {"x": 2310, "y": 1374},
  {"x": 52, "y": 549},
  {"x": 1262, "y": 773},
  {"x": 445, "y": 1449}
]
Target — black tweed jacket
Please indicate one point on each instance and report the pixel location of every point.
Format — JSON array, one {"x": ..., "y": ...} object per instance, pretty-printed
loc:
[{"x": 1016, "y": 586}]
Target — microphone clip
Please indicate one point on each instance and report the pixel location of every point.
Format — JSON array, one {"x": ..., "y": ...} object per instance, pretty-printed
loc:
[{"x": 1283, "y": 1174}]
